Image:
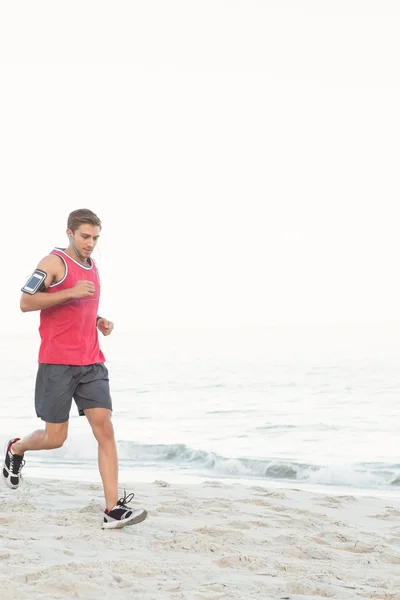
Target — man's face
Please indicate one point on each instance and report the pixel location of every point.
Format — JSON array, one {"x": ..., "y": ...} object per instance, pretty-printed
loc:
[{"x": 85, "y": 239}]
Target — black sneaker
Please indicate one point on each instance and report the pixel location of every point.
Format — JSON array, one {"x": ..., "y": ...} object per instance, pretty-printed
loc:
[
  {"x": 12, "y": 466},
  {"x": 122, "y": 515}
]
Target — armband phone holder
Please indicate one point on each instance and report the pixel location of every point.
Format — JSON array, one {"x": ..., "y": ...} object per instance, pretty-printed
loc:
[{"x": 35, "y": 282}]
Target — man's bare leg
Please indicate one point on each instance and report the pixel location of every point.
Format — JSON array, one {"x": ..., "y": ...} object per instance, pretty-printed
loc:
[
  {"x": 52, "y": 437},
  {"x": 117, "y": 514},
  {"x": 103, "y": 431}
]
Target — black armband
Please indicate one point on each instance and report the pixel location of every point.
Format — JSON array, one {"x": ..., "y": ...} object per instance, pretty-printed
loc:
[{"x": 35, "y": 282}]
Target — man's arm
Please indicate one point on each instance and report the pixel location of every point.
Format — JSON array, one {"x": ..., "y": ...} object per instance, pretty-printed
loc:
[{"x": 52, "y": 266}]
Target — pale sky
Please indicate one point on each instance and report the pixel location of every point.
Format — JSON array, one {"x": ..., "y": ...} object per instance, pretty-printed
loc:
[{"x": 243, "y": 156}]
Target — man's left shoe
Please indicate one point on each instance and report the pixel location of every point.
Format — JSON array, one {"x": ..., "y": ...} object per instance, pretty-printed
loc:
[{"x": 122, "y": 515}]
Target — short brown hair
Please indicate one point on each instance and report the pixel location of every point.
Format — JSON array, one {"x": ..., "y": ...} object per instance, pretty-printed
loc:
[{"x": 80, "y": 216}]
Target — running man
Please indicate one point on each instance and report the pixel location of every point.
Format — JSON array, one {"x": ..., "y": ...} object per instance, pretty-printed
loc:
[{"x": 65, "y": 287}]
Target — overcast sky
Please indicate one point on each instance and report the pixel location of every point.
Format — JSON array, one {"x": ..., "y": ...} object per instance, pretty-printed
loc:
[{"x": 243, "y": 156}]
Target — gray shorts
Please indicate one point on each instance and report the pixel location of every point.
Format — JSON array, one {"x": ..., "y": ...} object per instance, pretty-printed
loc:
[{"x": 56, "y": 385}]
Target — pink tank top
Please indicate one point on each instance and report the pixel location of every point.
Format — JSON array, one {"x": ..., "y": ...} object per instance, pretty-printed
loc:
[{"x": 68, "y": 330}]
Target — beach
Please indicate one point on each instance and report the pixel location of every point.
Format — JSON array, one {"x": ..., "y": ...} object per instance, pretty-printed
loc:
[
  {"x": 209, "y": 540},
  {"x": 268, "y": 466}
]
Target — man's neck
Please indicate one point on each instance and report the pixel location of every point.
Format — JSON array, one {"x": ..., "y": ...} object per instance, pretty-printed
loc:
[{"x": 73, "y": 254}]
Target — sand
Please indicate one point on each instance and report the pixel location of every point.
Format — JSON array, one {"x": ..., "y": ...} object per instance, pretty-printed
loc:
[{"x": 201, "y": 541}]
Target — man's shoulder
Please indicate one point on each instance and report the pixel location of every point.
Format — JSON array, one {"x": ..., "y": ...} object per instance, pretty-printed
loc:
[
  {"x": 51, "y": 258},
  {"x": 51, "y": 263}
]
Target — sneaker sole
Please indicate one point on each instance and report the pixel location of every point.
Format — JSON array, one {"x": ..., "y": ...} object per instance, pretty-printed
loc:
[
  {"x": 126, "y": 522},
  {"x": 8, "y": 482}
]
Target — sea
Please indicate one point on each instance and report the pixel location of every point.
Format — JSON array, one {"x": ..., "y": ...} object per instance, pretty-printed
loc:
[{"x": 314, "y": 407}]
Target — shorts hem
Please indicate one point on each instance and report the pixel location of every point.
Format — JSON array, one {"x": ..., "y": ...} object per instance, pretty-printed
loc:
[
  {"x": 81, "y": 410},
  {"x": 52, "y": 421}
]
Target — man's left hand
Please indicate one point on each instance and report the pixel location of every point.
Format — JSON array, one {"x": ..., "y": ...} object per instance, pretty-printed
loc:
[{"x": 105, "y": 326}]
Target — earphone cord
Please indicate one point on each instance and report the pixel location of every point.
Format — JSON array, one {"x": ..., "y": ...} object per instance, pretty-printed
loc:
[{"x": 75, "y": 250}]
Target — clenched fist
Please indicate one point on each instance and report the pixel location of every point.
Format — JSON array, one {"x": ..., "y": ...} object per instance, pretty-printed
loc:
[
  {"x": 105, "y": 326},
  {"x": 83, "y": 288}
]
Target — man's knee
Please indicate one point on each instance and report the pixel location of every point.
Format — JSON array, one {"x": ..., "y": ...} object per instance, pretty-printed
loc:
[
  {"x": 55, "y": 442},
  {"x": 103, "y": 430},
  {"x": 55, "y": 437}
]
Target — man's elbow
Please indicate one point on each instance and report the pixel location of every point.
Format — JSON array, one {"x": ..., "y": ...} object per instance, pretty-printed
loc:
[{"x": 24, "y": 305}]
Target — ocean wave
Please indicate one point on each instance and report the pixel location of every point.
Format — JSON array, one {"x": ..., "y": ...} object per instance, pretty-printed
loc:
[
  {"x": 356, "y": 475},
  {"x": 180, "y": 456}
]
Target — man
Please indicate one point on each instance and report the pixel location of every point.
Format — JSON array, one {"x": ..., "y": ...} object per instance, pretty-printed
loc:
[{"x": 65, "y": 287}]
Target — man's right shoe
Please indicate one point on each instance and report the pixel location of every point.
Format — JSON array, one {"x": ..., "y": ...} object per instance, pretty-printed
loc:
[{"x": 12, "y": 466}]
